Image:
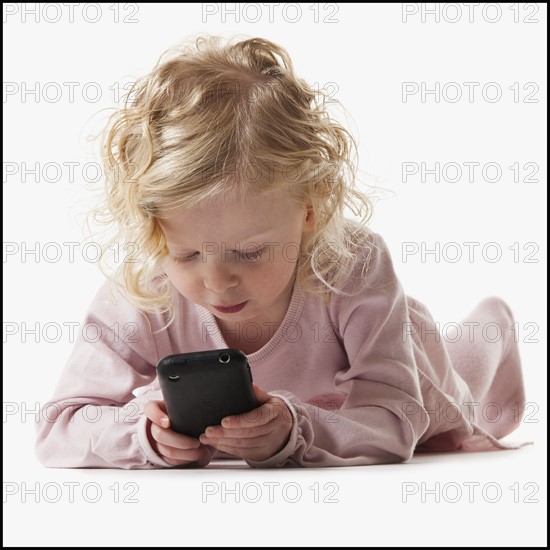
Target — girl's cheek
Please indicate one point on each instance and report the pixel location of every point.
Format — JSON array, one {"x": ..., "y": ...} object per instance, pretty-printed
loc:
[
  {"x": 285, "y": 259},
  {"x": 177, "y": 276},
  {"x": 275, "y": 270}
]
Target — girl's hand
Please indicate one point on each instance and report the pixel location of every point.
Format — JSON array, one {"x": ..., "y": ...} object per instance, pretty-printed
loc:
[
  {"x": 257, "y": 434},
  {"x": 175, "y": 448}
]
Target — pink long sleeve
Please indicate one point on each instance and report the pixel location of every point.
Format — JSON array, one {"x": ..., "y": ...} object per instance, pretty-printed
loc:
[
  {"x": 364, "y": 385},
  {"x": 93, "y": 420}
]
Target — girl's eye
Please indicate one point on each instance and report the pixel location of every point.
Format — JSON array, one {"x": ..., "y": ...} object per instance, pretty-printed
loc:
[
  {"x": 252, "y": 256},
  {"x": 183, "y": 259}
]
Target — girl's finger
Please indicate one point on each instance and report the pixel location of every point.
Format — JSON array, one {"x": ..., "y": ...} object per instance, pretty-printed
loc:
[
  {"x": 238, "y": 431},
  {"x": 168, "y": 437},
  {"x": 191, "y": 455},
  {"x": 255, "y": 418},
  {"x": 155, "y": 411}
]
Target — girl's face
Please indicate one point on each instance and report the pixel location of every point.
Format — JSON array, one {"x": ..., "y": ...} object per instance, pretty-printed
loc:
[{"x": 224, "y": 255}]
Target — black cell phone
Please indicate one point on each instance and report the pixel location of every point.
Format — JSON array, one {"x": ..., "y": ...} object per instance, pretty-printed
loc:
[{"x": 202, "y": 388}]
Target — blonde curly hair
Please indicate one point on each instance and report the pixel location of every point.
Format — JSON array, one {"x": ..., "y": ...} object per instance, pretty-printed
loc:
[{"x": 210, "y": 115}]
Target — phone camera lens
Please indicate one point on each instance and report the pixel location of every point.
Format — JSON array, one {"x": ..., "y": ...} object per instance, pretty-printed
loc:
[
  {"x": 224, "y": 358},
  {"x": 173, "y": 377}
]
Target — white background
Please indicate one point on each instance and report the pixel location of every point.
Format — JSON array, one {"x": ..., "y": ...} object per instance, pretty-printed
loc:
[{"x": 363, "y": 57}]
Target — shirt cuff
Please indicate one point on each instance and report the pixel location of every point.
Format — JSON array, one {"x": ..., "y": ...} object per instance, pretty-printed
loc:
[
  {"x": 282, "y": 456},
  {"x": 143, "y": 425}
]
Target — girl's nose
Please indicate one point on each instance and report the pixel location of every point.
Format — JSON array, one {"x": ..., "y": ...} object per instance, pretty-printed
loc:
[{"x": 219, "y": 277}]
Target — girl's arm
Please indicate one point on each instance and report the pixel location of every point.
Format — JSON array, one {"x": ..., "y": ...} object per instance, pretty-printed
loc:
[{"x": 93, "y": 419}]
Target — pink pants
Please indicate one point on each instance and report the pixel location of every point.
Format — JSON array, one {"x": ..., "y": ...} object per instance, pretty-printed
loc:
[{"x": 488, "y": 361}]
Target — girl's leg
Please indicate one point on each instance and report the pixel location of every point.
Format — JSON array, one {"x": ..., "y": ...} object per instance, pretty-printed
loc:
[{"x": 486, "y": 355}]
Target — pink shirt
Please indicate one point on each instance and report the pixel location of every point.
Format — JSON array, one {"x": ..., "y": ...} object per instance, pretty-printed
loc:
[{"x": 361, "y": 389}]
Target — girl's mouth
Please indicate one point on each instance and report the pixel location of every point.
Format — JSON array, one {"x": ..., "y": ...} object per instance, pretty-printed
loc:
[{"x": 231, "y": 309}]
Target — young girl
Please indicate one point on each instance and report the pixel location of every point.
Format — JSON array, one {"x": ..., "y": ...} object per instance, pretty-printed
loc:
[{"x": 229, "y": 178}]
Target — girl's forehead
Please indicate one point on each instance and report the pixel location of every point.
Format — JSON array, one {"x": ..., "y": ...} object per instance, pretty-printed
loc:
[
  {"x": 267, "y": 205},
  {"x": 268, "y": 220}
]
